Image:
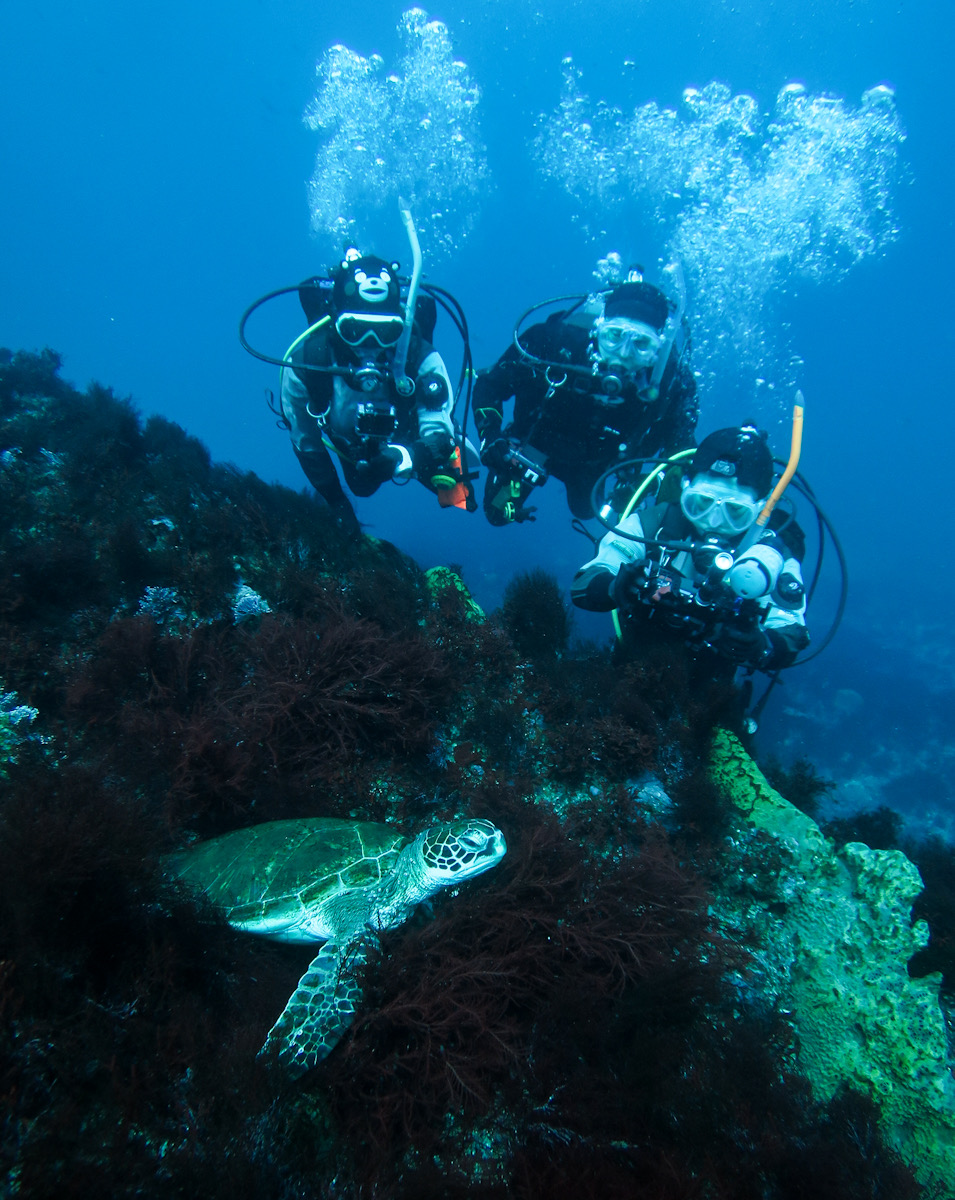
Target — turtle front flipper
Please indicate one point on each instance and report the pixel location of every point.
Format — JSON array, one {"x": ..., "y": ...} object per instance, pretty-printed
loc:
[{"x": 320, "y": 1009}]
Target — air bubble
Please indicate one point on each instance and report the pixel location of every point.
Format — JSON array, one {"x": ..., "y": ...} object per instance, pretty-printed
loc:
[
  {"x": 748, "y": 202},
  {"x": 413, "y": 131},
  {"x": 880, "y": 94}
]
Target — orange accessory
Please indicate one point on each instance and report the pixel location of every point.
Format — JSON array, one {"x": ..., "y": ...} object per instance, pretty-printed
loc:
[{"x": 457, "y": 495}]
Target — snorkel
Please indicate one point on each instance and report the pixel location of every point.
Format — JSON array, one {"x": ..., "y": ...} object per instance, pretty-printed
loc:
[
  {"x": 403, "y": 383},
  {"x": 673, "y": 326},
  {"x": 795, "y": 450}
]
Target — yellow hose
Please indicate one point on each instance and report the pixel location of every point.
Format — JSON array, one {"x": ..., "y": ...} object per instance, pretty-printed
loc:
[
  {"x": 635, "y": 500},
  {"x": 301, "y": 338},
  {"x": 654, "y": 474}
]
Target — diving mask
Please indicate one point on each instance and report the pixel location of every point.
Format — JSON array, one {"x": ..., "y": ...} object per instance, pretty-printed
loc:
[
  {"x": 627, "y": 343},
  {"x": 358, "y": 329},
  {"x": 716, "y": 506}
]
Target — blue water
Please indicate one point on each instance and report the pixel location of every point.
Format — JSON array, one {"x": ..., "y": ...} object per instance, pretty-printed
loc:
[{"x": 156, "y": 181}]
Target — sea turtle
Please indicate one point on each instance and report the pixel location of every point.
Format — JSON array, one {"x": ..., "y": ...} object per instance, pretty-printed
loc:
[{"x": 318, "y": 879}]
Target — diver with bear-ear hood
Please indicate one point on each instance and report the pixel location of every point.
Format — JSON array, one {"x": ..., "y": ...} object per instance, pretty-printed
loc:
[
  {"x": 603, "y": 381},
  {"x": 378, "y": 430},
  {"x": 363, "y": 383}
]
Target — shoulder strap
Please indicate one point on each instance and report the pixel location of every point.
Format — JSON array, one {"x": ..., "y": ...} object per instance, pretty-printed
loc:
[
  {"x": 315, "y": 296},
  {"x": 671, "y": 523},
  {"x": 425, "y": 316}
]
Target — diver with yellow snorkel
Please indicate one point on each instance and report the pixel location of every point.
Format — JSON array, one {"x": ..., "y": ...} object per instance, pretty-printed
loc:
[{"x": 711, "y": 562}]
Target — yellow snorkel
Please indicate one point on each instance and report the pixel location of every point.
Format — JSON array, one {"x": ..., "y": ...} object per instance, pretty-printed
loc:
[{"x": 795, "y": 450}]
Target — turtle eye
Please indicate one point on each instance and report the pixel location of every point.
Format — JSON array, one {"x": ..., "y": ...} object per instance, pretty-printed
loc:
[{"x": 474, "y": 839}]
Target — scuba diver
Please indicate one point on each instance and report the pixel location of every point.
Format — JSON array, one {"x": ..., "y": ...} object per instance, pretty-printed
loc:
[
  {"x": 602, "y": 381},
  {"x": 364, "y": 382},
  {"x": 712, "y": 563}
]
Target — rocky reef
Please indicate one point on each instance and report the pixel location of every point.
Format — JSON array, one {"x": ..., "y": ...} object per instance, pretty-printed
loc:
[
  {"x": 832, "y": 934},
  {"x": 673, "y": 986}
]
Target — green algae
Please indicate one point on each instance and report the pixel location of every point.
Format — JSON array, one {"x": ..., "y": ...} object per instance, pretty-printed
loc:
[{"x": 442, "y": 581}]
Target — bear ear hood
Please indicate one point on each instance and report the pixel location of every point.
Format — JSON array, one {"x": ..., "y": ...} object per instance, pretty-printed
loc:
[{"x": 367, "y": 284}]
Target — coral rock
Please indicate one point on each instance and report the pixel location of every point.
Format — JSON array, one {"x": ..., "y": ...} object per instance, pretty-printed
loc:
[{"x": 832, "y": 935}]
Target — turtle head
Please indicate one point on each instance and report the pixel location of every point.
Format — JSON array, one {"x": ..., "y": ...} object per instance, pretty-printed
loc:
[{"x": 460, "y": 850}]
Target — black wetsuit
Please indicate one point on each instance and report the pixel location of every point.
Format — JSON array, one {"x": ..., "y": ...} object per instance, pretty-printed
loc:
[{"x": 571, "y": 419}]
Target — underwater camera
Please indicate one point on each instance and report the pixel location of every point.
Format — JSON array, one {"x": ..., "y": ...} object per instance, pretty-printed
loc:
[{"x": 375, "y": 419}]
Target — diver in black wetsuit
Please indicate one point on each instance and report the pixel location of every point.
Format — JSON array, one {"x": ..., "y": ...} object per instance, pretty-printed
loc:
[{"x": 601, "y": 382}]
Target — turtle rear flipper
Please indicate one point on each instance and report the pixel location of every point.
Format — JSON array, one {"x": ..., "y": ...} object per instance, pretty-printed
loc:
[{"x": 320, "y": 1009}]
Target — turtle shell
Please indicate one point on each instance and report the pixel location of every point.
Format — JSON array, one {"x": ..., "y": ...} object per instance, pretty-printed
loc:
[{"x": 268, "y": 877}]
